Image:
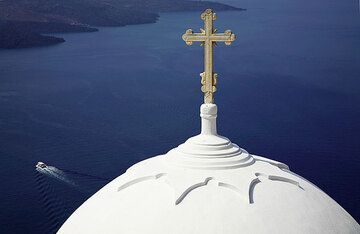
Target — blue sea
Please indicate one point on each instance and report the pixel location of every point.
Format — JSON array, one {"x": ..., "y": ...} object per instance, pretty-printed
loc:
[{"x": 289, "y": 89}]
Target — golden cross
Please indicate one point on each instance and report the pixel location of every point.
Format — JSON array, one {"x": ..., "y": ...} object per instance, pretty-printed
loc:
[{"x": 208, "y": 38}]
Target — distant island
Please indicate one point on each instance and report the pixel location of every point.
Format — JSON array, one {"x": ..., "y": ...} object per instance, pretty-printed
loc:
[{"x": 23, "y": 23}]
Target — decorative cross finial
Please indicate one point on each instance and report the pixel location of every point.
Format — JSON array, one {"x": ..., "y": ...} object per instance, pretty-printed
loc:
[{"x": 208, "y": 38}]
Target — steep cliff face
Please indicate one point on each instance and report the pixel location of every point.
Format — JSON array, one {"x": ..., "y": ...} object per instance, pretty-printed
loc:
[{"x": 23, "y": 21}]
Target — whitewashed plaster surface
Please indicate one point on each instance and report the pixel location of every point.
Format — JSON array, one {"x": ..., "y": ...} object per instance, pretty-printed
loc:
[{"x": 210, "y": 185}]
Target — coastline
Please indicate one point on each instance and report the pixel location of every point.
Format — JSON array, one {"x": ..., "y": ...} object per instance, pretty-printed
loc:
[{"x": 18, "y": 33}]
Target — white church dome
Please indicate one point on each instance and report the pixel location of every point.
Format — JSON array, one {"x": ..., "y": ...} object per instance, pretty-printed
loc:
[{"x": 210, "y": 185}]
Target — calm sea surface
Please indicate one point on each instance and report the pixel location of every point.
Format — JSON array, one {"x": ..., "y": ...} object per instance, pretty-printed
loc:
[{"x": 289, "y": 89}]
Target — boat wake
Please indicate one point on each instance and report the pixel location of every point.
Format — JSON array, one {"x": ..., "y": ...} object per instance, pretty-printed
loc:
[
  {"x": 56, "y": 174},
  {"x": 55, "y": 206},
  {"x": 57, "y": 200},
  {"x": 79, "y": 181},
  {"x": 84, "y": 175}
]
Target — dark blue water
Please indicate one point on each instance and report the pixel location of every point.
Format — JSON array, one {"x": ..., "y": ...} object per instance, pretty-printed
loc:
[{"x": 289, "y": 89}]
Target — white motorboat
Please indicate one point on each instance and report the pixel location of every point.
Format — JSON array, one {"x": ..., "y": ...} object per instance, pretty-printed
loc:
[{"x": 41, "y": 165}]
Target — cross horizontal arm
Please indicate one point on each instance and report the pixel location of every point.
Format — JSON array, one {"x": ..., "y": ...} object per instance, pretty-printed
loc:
[
  {"x": 194, "y": 37},
  {"x": 223, "y": 37},
  {"x": 189, "y": 37}
]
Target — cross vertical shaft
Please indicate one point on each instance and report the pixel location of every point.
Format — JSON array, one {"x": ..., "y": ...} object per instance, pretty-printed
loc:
[
  {"x": 208, "y": 38},
  {"x": 208, "y": 60}
]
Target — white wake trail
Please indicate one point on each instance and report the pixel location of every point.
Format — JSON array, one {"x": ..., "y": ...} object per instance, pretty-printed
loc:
[{"x": 56, "y": 174}]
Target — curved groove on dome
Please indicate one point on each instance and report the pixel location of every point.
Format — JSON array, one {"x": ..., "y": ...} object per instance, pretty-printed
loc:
[
  {"x": 251, "y": 189},
  {"x": 286, "y": 180},
  {"x": 140, "y": 179},
  {"x": 299, "y": 176},
  {"x": 191, "y": 188},
  {"x": 231, "y": 187},
  {"x": 280, "y": 165},
  {"x": 279, "y": 178},
  {"x": 257, "y": 180}
]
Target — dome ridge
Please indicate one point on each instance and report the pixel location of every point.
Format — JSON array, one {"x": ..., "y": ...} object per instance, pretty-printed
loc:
[
  {"x": 208, "y": 150},
  {"x": 242, "y": 181}
]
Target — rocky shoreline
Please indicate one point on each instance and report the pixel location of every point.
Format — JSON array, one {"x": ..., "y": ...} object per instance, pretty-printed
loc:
[{"x": 23, "y": 23}]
